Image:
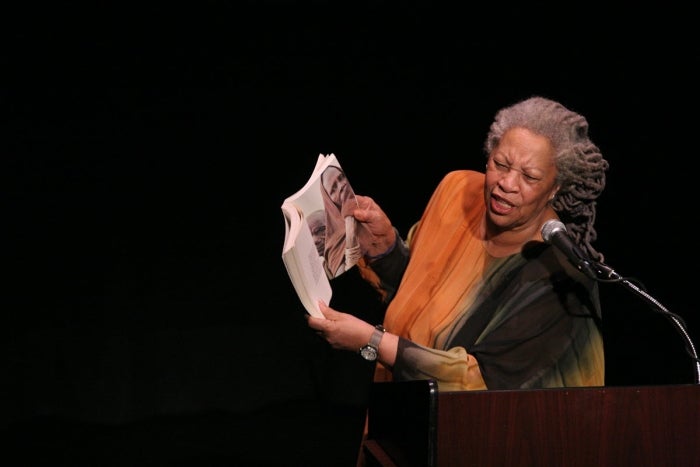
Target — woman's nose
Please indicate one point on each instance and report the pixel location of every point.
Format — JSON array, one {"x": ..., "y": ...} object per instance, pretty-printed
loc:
[{"x": 509, "y": 181}]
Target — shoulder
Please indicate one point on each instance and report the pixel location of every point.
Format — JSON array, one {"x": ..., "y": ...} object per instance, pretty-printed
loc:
[
  {"x": 459, "y": 195},
  {"x": 465, "y": 181},
  {"x": 463, "y": 176},
  {"x": 547, "y": 266}
]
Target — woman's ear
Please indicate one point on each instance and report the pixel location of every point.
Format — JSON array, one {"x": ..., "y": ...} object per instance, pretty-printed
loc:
[{"x": 556, "y": 190}]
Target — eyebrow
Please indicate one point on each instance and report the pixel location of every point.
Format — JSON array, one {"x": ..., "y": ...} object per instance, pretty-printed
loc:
[{"x": 510, "y": 165}]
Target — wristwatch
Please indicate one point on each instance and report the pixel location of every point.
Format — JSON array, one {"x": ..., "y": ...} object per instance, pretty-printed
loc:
[{"x": 369, "y": 352}]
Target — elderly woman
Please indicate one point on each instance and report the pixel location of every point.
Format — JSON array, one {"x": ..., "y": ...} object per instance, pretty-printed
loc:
[{"x": 475, "y": 298}]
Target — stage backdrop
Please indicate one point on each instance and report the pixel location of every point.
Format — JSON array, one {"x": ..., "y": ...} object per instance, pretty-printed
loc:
[{"x": 147, "y": 310}]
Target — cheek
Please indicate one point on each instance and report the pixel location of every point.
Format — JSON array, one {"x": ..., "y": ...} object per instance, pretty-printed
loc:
[
  {"x": 535, "y": 198},
  {"x": 490, "y": 181}
]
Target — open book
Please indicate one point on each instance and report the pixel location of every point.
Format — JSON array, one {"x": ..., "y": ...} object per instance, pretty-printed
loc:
[{"x": 321, "y": 236}]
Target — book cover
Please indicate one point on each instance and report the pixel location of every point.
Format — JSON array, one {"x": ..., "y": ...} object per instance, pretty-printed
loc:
[{"x": 321, "y": 236}]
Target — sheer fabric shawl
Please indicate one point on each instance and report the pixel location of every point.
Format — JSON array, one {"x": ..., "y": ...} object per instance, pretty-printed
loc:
[{"x": 471, "y": 321}]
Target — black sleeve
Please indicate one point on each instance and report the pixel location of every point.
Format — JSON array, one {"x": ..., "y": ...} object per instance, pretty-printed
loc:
[{"x": 390, "y": 268}]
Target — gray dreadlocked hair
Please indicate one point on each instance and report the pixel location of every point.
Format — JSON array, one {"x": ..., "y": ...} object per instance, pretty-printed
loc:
[{"x": 580, "y": 165}]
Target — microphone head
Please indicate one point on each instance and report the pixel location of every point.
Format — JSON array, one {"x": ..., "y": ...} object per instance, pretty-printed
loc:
[{"x": 551, "y": 227}]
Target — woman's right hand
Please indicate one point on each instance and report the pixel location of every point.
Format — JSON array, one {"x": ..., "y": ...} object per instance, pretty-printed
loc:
[{"x": 377, "y": 223}]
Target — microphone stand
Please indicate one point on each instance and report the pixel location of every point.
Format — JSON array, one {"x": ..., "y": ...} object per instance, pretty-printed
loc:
[{"x": 606, "y": 274}]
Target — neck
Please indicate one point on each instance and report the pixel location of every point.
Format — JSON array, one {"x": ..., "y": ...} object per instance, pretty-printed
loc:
[{"x": 505, "y": 243}]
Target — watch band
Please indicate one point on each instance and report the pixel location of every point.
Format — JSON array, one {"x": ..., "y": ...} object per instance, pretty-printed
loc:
[
  {"x": 370, "y": 351},
  {"x": 377, "y": 336}
]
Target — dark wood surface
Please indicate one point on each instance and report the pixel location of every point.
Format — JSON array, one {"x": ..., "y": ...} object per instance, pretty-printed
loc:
[{"x": 605, "y": 426}]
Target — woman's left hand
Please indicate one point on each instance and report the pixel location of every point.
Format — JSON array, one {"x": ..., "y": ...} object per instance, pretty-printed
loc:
[{"x": 341, "y": 330}]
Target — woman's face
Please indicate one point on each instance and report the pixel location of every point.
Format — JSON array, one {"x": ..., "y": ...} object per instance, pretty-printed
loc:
[
  {"x": 336, "y": 185},
  {"x": 520, "y": 180},
  {"x": 317, "y": 225}
]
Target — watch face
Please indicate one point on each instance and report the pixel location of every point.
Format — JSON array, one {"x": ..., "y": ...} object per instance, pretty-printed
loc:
[{"x": 368, "y": 353}]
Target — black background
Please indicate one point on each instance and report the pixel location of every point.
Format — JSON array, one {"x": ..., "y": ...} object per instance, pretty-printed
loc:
[{"x": 149, "y": 318}]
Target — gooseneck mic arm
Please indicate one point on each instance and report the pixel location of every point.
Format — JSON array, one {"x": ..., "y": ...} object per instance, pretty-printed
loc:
[{"x": 554, "y": 232}]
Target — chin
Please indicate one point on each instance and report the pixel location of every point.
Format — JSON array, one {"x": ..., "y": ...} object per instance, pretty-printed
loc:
[{"x": 498, "y": 222}]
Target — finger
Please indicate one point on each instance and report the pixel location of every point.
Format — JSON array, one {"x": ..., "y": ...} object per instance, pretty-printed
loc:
[{"x": 365, "y": 202}]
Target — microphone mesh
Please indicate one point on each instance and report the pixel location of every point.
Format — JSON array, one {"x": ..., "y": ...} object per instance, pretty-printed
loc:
[{"x": 551, "y": 227}]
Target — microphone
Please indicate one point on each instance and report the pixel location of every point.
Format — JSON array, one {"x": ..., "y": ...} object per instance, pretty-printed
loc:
[{"x": 554, "y": 232}]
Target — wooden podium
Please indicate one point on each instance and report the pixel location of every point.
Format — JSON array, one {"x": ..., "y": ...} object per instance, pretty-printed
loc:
[{"x": 412, "y": 424}]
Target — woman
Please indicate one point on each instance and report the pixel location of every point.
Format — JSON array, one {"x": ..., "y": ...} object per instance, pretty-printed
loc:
[{"x": 476, "y": 299}]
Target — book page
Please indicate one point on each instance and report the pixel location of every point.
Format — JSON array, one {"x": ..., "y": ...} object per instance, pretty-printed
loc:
[{"x": 304, "y": 265}]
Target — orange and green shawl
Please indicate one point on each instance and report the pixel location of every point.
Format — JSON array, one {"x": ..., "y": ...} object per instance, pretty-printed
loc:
[{"x": 472, "y": 321}]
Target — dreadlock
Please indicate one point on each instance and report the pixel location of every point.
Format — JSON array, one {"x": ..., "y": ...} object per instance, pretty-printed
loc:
[{"x": 580, "y": 165}]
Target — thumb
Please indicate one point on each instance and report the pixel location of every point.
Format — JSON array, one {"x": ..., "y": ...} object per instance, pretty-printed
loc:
[
  {"x": 323, "y": 307},
  {"x": 327, "y": 311}
]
